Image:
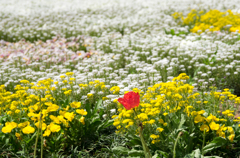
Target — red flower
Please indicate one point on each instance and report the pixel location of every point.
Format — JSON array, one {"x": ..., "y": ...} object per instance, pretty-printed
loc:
[{"x": 130, "y": 100}]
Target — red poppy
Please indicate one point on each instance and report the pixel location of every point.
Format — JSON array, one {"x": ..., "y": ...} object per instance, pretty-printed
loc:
[{"x": 130, "y": 100}]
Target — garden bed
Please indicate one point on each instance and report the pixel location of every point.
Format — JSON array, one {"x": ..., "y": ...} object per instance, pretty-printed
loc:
[{"x": 119, "y": 79}]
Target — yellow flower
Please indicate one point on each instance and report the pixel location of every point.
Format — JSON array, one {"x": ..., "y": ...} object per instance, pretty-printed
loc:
[
  {"x": 9, "y": 126},
  {"x": 69, "y": 116},
  {"x": 153, "y": 136},
  {"x": 130, "y": 123},
  {"x": 68, "y": 92},
  {"x": 126, "y": 121},
  {"x": 69, "y": 73},
  {"x": 75, "y": 104},
  {"x": 214, "y": 126},
  {"x": 115, "y": 89},
  {"x": 160, "y": 129},
  {"x": 64, "y": 89},
  {"x": 142, "y": 116},
  {"x": 24, "y": 81},
  {"x": 165, "y": 114},
  {"x": 204, "y": 127},
  {"x": 104, "y": 98},
  {"x": 18, "y": 136},
  {"x": 28, "y": 130},
  {"x": 221, "y": 134},
  {"x": 47, "y": 133},
  {"x": 82, "y": 120},
  {"x": 9, "y": 112},
  {"x": 55, "y": 119},
  {"x": 161, "y": 121},
  {"x": 13, "y": 124},
  {"x": 115, "y": 100},
  {"x": 151, "y": 121},
  {"x": 198, "y": 119},
  {"x": 17, "y": 111},
  {"x": 60, "y": 118},
  {"x": 52, "y": 108},
  {"x": 155, "y": 141},
  {"x": 43, "y": 99},
  {"x": 54, "y": 127},
  {"x": 201, "y": 112},
  {"x": 44, "y": 126},
  {"x": 72, "y": 79},
  {"x": 211, "y": 118},
  {"x": 116, "y": 123},
  {"x": 114, "y": 116},
  {"x": 89, "y": 95},
  {"x": 81, "y": 111},
  {"x": 67, "y": 108},
  {"x": 231, "y": 137},
  {"x": 7, "y": 129},
  {"x": 193, "y": 113},
  {"x": 230, "y": 130}
]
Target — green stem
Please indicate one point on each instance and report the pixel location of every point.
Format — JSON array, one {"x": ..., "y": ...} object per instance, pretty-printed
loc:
[
  {"x": 204, "y": 135},
  {"x": 35, "y": 149},
  {"x": 175, "y": 144},
  {"x": 145, "y": 147},
  {"x": 40, "y": 126},
  {"x": 41, "y": 136}
]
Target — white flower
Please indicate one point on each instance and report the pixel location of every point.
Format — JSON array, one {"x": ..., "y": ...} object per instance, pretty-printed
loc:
[
  {"x": 113, "y": 111},
  {"x": 104, "y": 116}
]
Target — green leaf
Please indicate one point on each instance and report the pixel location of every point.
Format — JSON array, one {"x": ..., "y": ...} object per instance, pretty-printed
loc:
[
  {"x": 161, "y": 153},
  {"x": 89, "y": 112},
  {"x": 120, "y": 149},
  {"x": 7, "y": 141},
  {"x": 95, "y": 119},
  {"x": 155, "y": 156},
  {"x": 105, "y": 124},
  {"x": 191, "y": 135},
  {"x": 189, "y": 156},
  {"x": 198, "y": 153},
  {"x": 182, "y": 121},
  {"x": 134, "y": 152},
  {"x": 216, "y": 143},
  {"x": 134, "y": 142},
  {"x": 20, "y": 152},
  {"x": 98, "y": 105},
  {"x": 172, "y": 32},
  {"x": 195, "y": 154},
  {"x": 196, "y": 71},
  {"x": 58, "y": 138}
]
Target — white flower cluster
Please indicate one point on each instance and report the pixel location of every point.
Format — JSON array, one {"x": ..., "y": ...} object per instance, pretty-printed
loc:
[{"x": 121, "y": 42}]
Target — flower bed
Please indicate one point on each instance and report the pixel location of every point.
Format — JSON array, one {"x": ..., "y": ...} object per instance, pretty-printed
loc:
[{"x": 119, "y": 79}]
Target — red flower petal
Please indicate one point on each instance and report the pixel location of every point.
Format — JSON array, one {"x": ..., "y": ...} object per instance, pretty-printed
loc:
[
  {"x": 130, "y": 100},
  {"x": 124, "y": 103}
]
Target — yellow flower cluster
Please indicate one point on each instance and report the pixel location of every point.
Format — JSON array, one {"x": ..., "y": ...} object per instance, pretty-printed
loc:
[
  {"x": 214, "y": 20},
  {"x": 40, "y": 109},
  {"x": 115, "y": 89},
  {"x": 164, "y": 102},
  {"x": 9, "y": 126},
  {"x": 210, "y": 121}
]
